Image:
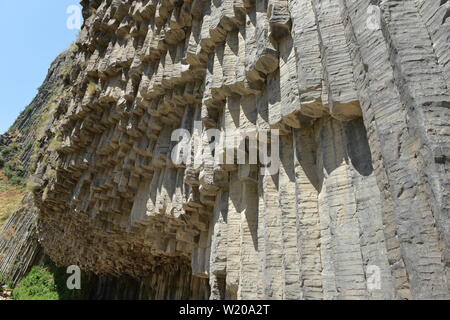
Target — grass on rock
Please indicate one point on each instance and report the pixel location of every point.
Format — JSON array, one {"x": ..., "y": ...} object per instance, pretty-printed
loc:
[{"x": 11, "y": 196}]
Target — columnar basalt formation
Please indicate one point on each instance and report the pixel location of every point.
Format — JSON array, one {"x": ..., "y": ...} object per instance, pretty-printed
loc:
[
  {"x": 358, "y": 208},
  {"x": 29, "y": 130},
  {"x": 19, "y": 246}
]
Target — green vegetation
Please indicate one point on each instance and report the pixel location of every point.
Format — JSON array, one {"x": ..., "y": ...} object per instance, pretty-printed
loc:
[
  {"x": 33, "y": 186},
  {"x": 73, "y": 47},
  {"x": 46, "y": 282},
  {"x": 10, "y": 197},
  {"x": 39, "y": 284},
  {"x": 2, "y": 280},
  {"x": 47, "y": 116},
  {"x": 15, "y": 172},
  {"x": 10, "y": 150},
  {"x": 55, "y": 144},
  {"x": 11, "y": 165},
  {"x": 68, "y": 70},
  {"x": 91, "y": 89},
  {"x": 23, "y": 115}
]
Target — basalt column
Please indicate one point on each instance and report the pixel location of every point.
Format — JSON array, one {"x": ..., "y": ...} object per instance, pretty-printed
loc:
[{"x": 349, "y": 97}]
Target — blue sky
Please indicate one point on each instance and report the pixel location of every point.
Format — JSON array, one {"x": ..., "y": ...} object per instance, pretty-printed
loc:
[{"x": 32, "y": 33}]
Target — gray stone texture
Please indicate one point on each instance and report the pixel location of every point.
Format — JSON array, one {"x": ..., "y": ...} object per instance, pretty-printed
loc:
[{"x": 363, "y": 114}]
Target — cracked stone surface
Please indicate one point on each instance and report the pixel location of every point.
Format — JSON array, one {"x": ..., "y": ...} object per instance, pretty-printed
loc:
[{"x": 363, "y": 186}]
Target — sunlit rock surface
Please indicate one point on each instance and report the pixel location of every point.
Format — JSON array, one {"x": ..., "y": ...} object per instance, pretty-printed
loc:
[{"x": 359, "y": 91}]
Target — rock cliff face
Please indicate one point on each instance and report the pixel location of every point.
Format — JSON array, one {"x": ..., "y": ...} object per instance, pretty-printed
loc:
[
  {"x": 358, "y": 206},
  {"x": 19, "y": 247},
  {"x": 29, "y": 130}
]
